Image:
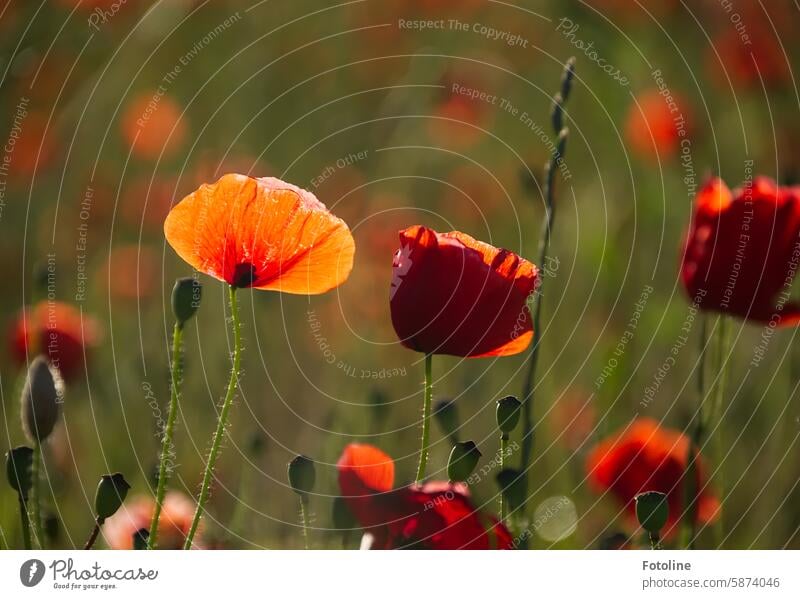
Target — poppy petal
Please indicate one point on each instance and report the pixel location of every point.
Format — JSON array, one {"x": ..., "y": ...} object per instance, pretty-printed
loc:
[{"x": 261, "y": 233}]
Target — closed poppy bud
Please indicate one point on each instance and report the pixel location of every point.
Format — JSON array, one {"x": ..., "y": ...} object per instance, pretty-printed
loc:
[
  {"x": 452, "y": 294},
  {"x": 510, "y": 483},
  {"x": 446, "y": 414},
  {"x": 41, "y": 398},
  {"x": 18, "y": 470},
  {"x": 508, "y": 411},
  {"x": 302, "y": 475},
  {"x": 140, "y": 538},
  {"x": 463, "y": 459},
  {"x": 652, "y": 511},
  {"x": 186, "y": 298},
  {"x": 343, "y": 518},
  {"x": 111, "y": 492}
]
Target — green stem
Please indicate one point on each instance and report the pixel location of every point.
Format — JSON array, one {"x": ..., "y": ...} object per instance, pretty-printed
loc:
[
  {"x": 35, "y": 500},
  {"x": 304, "y": 518},
  {"x": 690, "y": 483},
  {"x": 655, "y": 540},
  {"x": 426, "y": 418},
  {"x": 222, "y": 422},
  {"x": 26, "y": 523},
  {"x": 503, "y": 449},
  {"x": 166, "y": 442},
  {"x": 721, "y": 368},
  {"x": 528, "y": 425}
]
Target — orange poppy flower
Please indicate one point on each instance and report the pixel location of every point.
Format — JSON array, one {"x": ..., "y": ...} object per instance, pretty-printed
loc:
[
  {"x": 647, "y": 457},
  {"x": 261, "y": 233}
]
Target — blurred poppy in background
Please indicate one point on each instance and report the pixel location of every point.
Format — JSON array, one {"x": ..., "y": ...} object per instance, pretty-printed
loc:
[
  {"x": 153, "y": 124},
  {"x": 140, "y": 265},
  {"x": 434, "y": 515},
  {"x": 173, "y": 525},
  {"x": 56, "y": 330},
  {"x": 742, "y": 250},
  {"x": 261, "y": 233},
  {"x": 646, "y": 457},
  {"x": 656, "y": 124},
  {"x": 452, "y": 294}
]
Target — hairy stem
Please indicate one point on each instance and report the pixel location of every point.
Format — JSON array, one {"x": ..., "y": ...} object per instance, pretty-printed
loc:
[
  {"x": 222, "y": 422},
  {"x": 166, "y": 442},
  {"x": 426, "y": 418}
]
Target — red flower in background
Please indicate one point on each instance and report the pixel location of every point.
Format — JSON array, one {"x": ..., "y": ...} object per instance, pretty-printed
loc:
[
  {"x": 452, "y": 294},
  {"x": 646, "y": 457},
  {"x": 436, "y": 515},
  {"x": 153, "y": 124},
  {"x": 742, "y": 250},
  {"x": 656, "y": 124},
  {"x": 56, "y": 330},
  {"x": 262, "y": 233}
]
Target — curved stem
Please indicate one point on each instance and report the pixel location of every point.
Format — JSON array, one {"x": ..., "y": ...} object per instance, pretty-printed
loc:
[
  {"x": 93, "y": 536},
  {"x": 222, "y": 422},
  {"x": 426, "y": 419},
  {"x": 26, "y": 523},
  {"x": 166, "y": 442},
  {"x": 304, "y": 518},
  {"x": 35, "y": 500}
]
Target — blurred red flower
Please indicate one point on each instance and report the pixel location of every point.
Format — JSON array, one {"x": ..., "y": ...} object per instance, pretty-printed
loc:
[
  {"x": 646, "y": 457},
  {"x": 153, "y": 124},
  {"x": 742, "y": 250},
  {"x": 173, "y": 524},
  {"x": 56, "y": 330},
  {"x": 435, "y": 515},
  {"x": 140, "y": 265},
  {"x": 261, "y": 233},
  {"x": 33, "y": 146},
  {"x": 452, "y": 294},
  {"x": 656, "y": 124}
]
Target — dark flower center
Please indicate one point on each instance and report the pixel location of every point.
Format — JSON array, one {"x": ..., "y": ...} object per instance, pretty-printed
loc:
[{"x": 244, "y": 274}]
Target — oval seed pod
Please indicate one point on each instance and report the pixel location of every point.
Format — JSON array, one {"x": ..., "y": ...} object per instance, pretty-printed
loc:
[{"x": 42, "y": 396}]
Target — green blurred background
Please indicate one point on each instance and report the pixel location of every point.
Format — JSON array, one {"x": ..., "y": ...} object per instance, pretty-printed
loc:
[{"x": 346, "y": 100}]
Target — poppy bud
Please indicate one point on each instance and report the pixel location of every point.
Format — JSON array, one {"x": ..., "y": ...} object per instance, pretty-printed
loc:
[
  {"x": 302, "y": 475},
  {"x": 508, "y": 411},
  {"x": 18, "y": 470},
  {"x": 343, "y": 518},
  {"x": 463, "y": 459},
  {"x": 186, "y": 298},
  {"x": 510, "y": 483},
  {"x": 41, "y": 398},
  {"x": 446, "y": 414},
  {"x": 652, "y": 511},
  {"x": 140, "y": 538},
  {"x": 111, "y": 492}
]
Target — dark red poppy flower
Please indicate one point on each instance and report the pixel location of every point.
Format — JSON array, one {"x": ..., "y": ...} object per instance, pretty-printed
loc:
[
  {"x": 742, "y": 251},
  {"x": 646, "y": 457},
  {"x": 436, "y": 515},
  {"x": 452, "y": 294},
  {"x": 56, "y": 330},
  {"x": 261, "y": 233}
]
